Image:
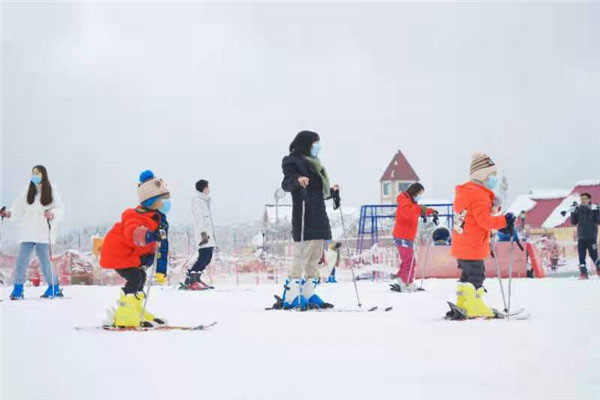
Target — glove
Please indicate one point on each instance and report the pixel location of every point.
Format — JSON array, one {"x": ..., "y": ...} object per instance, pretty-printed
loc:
[
  {"x": 510, "y": 224},
  {"x": 436, "y": 219},
  {"x": 205, "y": 238},
  {"x": 147, "y": 259},
  {"x": 161, "y": 278},
  {"x": 337, "y": 201}
]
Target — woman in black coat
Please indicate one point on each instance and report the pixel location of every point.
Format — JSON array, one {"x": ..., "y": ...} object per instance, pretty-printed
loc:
[{"x": 306, "y": 179}]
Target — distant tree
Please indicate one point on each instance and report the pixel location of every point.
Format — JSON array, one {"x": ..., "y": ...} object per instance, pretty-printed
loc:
[{"x": 503, "y": 190}]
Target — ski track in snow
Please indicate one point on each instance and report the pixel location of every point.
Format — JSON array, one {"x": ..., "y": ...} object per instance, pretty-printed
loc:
[{"x": 407, "y": 353}]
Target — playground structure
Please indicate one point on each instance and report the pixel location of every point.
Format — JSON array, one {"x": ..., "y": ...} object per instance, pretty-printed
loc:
[{"x": 373, "y": 218}]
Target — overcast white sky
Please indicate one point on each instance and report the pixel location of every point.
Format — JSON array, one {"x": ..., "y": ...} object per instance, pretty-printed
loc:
[{"x": 100, "y": 91}]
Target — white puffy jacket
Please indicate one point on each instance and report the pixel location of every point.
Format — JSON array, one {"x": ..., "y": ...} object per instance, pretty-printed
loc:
[
  {"x": 33, "y": 226},
  {"x": 201, "y": 212}
]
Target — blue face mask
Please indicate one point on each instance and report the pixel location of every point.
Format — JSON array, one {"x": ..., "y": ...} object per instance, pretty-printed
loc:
[
  {"x": 36, "y": 179},
  {"x": 165, "y": 207},
  {"x": 315, "y": 149},
  {"x": 417, "y": 198},
  {"x": 491, "y": 182}
]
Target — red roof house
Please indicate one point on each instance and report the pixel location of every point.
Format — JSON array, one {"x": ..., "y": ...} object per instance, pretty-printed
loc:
[{"x": 398, "y": 176}]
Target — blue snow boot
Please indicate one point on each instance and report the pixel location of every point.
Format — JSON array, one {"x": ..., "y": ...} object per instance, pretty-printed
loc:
[
  {"x": 17, "y": 293},
  {"x": 292, "y": 295},
  {"x": 331, "y": 279},
  {"x": 314, "y": 301},
  {"x": 52, "y": 291}
]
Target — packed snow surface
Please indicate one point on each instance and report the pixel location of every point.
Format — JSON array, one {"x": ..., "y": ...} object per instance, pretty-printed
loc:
[{"x": 407, "y": 353}]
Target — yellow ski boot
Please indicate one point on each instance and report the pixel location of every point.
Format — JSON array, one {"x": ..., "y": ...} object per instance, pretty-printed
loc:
[
  {"x": 126, "y": 314},
  {"x": 148, "y": 317},
  {"x": 460, "y": 295},
  {"x": 474, "y": 304}
]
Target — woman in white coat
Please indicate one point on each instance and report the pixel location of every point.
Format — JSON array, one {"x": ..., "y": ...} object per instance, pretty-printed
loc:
[
  {"x": 205, "y": 237},
  {"x": 37, "y": 210}
]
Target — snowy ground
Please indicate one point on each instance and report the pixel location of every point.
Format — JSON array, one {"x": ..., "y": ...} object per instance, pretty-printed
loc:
[{"x": 408, "y": 353}]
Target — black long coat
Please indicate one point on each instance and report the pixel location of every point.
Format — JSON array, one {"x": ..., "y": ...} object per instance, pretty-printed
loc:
[{"x": 316, "y": 222}]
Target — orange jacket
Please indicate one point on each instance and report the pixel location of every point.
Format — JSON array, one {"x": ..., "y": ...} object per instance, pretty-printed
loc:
[
  {"x": 407, "y": 217},
  {"x": 118, "y": 249},
  {"x": 473, "y": 222}
]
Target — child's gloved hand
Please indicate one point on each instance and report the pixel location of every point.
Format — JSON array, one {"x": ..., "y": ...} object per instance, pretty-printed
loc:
[{"x": 161, "y": 278}]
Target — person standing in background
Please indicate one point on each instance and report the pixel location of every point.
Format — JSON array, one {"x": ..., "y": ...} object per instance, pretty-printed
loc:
[
  {"x": 38, "y": 210},
  {"x": 204, "y": 232},
  {"x": 586, "y": 217}
]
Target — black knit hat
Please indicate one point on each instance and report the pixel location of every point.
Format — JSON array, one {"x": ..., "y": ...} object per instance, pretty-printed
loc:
[
  {"x": 303, "y": 142},
  {"x": 201, "y": 185}
]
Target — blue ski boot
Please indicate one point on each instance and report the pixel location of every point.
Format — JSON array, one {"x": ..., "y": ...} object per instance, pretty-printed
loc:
[
  {"x": 292, "y": 295},
  {"x": 52, "y": 291},
  {"x": 331, "y": 279},
  {"x": 314, "y": 301},
  {"x": 17, "y": 293}
]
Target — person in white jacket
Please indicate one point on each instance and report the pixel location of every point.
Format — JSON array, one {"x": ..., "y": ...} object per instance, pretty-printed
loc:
[
  {"x": 204, "y": 232},
  {"x": 37, "y": 210}
]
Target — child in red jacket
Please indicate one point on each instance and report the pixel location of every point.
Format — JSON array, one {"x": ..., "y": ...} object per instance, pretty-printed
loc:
[
  {"x": 405, "y": 231},
  {"x": 131, "y": 246},
  {"x": 474, "y": 220}
]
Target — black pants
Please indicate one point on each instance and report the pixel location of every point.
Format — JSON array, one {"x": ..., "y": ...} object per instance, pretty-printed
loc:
[
  {"x": 473, "y": 271},
  {"x": 590, "y": 247},
  {"x": 204, "y": 257},
  {"x": 135, "y": 277}
]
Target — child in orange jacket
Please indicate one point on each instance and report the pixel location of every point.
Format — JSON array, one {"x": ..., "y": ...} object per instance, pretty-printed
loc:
[
  {"x": 405, "y": 231},
  {"x": 132, "y": 245},
  {"x": 473, "y": 223}
]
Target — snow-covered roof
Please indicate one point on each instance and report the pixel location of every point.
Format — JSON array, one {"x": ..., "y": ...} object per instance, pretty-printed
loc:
[
  {"x": 548, "y": 194},
  {"x": 588, "y": 182},
  {"x": 555, "y": 218},
  {"x": 522, "y": 202}
]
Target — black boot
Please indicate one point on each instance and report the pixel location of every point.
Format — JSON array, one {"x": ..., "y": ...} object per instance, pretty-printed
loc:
[
  {"x": 190, "y": 278},
  {"x": 530, "y": 273}
]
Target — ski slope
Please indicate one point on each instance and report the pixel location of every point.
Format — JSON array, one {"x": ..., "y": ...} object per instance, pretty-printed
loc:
[{"x": 408, "y": 353}]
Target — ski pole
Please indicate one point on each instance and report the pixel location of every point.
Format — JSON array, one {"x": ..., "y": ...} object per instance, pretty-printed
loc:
[
  {"x": 303, "y": 194},
  {"x": 50, "y": 253},
  {"x": 493, "y": 246},
  {"x": 212, "y": 224},
  {"x": 150, "y": 281},
  {"x": 426, "y": 262},
  {"x": 350, "y": 258},
  {"x": 413, "y": 262},
  {"x": 510, "y": 268}
]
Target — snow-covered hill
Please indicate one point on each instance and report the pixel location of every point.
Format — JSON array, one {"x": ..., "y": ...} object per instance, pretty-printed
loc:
[{"x": 408, "y": 353}]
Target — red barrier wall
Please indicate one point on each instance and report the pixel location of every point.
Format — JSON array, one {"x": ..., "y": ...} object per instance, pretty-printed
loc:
[{"x": 442, "y": 265}]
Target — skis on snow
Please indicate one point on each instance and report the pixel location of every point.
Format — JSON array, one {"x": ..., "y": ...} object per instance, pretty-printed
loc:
[
  {"x": 278, "y": 305},
  {"x": 458, "y": 314},
  {"x": 113, "y": 328},
  {"x": 394, "y": 287}
]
